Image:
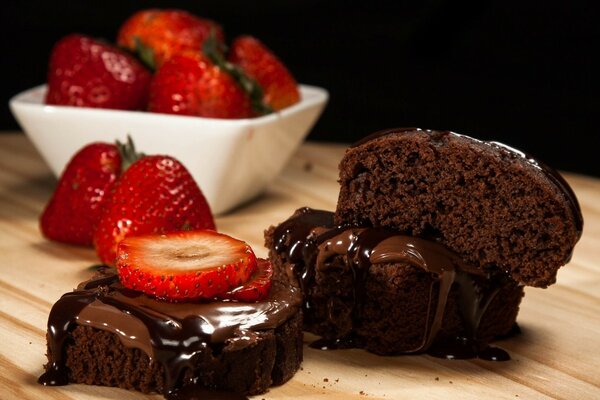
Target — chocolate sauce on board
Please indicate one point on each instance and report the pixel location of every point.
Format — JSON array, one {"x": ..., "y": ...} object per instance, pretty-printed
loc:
[
  {"x": 550, "y": 173},
  {"x": 172, "y": 334},
  {"x": 191, "y": 392},
  {"x": 309, "y": 239}
]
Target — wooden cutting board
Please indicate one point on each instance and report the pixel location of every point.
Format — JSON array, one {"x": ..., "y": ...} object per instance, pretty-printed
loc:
[{"x": 556, "y": 356}]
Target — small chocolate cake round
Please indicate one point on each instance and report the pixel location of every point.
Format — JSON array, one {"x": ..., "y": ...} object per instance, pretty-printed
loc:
[{"x": 105, "y": 334}]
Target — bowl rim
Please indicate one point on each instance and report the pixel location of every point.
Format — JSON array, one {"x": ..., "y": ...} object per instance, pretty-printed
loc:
[{"x": 33, "y": 98}]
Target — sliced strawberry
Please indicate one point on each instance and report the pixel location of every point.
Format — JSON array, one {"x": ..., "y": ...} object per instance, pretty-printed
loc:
[
  {"x": 184, "y": 265},
  {"x": 257, "y": 288}
]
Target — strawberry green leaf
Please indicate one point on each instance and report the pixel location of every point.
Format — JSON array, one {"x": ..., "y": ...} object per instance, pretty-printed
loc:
[
  {"x": 145, "y": 53},
  {"x": 128, "y": 153}
]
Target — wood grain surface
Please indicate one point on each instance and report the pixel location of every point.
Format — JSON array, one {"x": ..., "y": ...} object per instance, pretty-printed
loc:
[{"x": 556, "y": 356}]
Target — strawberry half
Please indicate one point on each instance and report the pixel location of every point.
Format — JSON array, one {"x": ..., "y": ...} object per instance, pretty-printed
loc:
[
  {"x": 184, "y": 265},
  {"x": 257, "y": 288}
]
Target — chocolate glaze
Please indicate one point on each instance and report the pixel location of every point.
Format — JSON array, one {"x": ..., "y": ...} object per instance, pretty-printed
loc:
[
  {"x": 309, "y": 239},
  {"x": 550, "y": 173},
  {"x": 172, "y": 334}
]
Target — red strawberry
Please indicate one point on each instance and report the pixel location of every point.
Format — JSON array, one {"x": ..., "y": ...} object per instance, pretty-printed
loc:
[
  {"x": 190, "y": 84},
  {"x": 76, "y": 204},
  {"x": 88, "y": 73},
  {"x": 157, "y": 35},
  {"x": 258, "y": 62},
  {"x": 184, "y": 265},
  {"x": 257, "y": 287},
  {"x": 155, "y": 195}
]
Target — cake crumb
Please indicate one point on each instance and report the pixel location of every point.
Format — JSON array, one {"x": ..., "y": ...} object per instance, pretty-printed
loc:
[{"x": 325, "y": 380}]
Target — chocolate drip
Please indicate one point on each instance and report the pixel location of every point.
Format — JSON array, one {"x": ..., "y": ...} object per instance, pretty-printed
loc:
[
  {"x": 172, "y": 334},
  {"x": 63, "y": 316},
  {"x": 192, "y": 392},
  {"x": 292, "y": 238},
  {"x": 549, "y": 172},
  {"x": 462, "y": 348},
  {"x": 308, "y": 241},
  {"x": 347, "y": 342}
]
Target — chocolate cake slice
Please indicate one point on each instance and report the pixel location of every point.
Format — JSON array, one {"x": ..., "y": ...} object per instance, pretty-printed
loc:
[
  {"x": 429, "y": 248},
  {"x": 491, "y": 204},
  {"x": 105, "y": 334}
]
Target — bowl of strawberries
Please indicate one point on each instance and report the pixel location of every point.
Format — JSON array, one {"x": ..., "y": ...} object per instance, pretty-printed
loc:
[{"x": 232, "y": 114}]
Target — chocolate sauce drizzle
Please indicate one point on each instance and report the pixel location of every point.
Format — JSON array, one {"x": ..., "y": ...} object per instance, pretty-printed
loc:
[
  {"x": 173, "y": 334},
  {"x": 309, "y": 239},
  {"x": 550, "y": 173}
]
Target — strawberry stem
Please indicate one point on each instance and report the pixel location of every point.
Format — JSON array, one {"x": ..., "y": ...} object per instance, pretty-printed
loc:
[
  {"x": 128, "y": 153},
  {"x": 145, "y": 53},
  {"x": 214, "y": 50}
]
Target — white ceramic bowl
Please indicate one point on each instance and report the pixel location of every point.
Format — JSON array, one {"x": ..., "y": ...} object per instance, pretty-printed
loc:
[{"x": 232, "y": 160}]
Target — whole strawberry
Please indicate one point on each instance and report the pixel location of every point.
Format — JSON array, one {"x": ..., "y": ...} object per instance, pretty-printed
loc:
[
  {"x": 190, "y": 84},
  {"x": 258, "y": 62},
  {"x": 76, "y": 205},
  {"x": 85, "y": 72},
  {"x": 157, "y": 35},
  {"x": 155, "y": 195}
]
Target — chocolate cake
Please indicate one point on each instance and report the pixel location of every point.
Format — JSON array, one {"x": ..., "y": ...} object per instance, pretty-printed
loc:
[
  {"x": 434, "y": 236},
  {"x": 105, "y": 334},
  {"x": 491, "y": 204}
]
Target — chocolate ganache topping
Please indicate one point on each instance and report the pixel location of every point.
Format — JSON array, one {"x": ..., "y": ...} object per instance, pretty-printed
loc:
[
  {"x": 550, "y": 173},
  {"x": 169, "y": 333},
  {"x": 308, "y": 240}
]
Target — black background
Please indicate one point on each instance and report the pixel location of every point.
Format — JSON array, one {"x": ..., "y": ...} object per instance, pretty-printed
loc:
[{"x": 522, "y": 72}]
